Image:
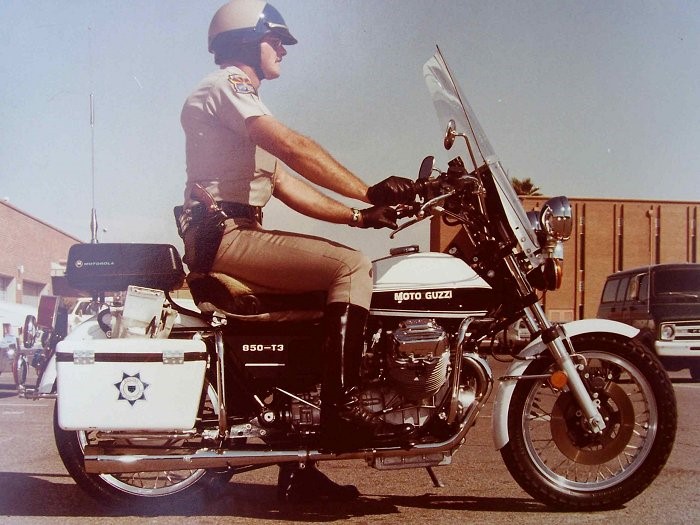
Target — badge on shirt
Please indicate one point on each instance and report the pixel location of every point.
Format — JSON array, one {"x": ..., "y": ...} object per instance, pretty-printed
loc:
[{"x": 241, "y": 84}]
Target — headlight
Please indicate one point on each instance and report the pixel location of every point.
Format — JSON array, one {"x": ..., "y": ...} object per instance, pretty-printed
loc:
[
  {"x": 668, "y": 332},
  {"x": 556, "y": 218}
]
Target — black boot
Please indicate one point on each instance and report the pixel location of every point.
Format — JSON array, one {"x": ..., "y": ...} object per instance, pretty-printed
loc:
[
  {"x": 309, "y": 485},
  {"x": 345, "y": 423}
]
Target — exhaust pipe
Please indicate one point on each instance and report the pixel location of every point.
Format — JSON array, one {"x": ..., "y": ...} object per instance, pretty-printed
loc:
[
  {"x": 202, "y": 459},
  {"x": 417, "y": 456}
]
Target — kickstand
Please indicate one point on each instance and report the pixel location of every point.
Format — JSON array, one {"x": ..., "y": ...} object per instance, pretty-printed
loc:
[{"x": 436, "y": 482}]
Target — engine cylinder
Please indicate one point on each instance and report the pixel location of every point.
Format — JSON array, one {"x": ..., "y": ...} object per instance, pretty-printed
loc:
[{"x": 419, "y": 358}]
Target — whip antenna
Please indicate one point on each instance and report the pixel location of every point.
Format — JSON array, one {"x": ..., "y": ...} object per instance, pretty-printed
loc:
[
  {"x": 93, "y": 215},
  {"x": 93, "y": 218}
]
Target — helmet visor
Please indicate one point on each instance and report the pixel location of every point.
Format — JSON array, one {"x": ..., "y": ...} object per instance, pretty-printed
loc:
[{"x": 271, "y": 21}]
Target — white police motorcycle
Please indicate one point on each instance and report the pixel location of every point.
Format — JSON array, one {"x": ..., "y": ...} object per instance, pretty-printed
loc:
[{"x": 156, "y": 401}]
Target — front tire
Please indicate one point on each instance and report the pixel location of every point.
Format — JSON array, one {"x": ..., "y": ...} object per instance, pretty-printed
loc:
[{"x": 553, "y": 456}]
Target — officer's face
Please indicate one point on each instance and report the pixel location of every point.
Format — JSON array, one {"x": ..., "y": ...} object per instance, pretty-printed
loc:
[{"x": 271, "y": 53}]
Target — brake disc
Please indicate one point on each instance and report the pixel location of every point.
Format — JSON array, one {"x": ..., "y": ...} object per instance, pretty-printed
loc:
[{"x": 573, "y": 437}]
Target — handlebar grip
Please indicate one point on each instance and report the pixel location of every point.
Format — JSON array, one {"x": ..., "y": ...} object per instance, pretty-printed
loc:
[{"x": 425, "y": 187}]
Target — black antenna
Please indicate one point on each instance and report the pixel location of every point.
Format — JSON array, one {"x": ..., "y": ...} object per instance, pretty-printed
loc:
[
  {"x": 93, "y": 215},
  {"x": 93, "y": 218}
]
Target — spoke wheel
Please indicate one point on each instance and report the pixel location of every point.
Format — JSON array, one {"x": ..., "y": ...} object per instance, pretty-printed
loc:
[
  {"x": 147, "y": 484},
  {"x": 557, "y": 459},
  {"x": 140, "y": 488}
]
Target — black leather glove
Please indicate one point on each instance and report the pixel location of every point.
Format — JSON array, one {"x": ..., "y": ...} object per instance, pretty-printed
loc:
[
  {"x": 378, "y": 217},
  {"x": 394, "y": 190}
]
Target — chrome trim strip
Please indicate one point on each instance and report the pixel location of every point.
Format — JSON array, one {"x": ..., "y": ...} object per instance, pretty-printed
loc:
[{"x": 426, "y": 313}]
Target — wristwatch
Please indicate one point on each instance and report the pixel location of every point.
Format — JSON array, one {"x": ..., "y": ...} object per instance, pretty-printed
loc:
[{"x": 355, "y": 221}]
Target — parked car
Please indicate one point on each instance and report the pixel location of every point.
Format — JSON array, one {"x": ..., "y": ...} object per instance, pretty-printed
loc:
[
  {"x": 83, "y": 309},
  {"x": 12, "y": 317},
  {"x": 8, "y": 352},
  {"x": 663, "y": 300}
]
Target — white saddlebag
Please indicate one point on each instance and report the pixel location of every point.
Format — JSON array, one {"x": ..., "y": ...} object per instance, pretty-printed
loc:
[{"x": 129, "y": 384}]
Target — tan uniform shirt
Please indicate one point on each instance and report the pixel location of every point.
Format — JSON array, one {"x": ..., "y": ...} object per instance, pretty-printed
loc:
[{"x": 220, "y": 155}]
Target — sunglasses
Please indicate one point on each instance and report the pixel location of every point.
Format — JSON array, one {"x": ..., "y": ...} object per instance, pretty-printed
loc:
[{"x": 274, "y": 42}]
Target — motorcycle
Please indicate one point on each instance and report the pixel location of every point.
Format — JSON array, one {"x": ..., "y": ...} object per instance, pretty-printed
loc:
[
  {"x": 158, "y": 401},
  {"x": 40, "y": 335}
]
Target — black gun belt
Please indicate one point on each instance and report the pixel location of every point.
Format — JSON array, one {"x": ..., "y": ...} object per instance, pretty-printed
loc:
[{"x": 232, "y": 210}]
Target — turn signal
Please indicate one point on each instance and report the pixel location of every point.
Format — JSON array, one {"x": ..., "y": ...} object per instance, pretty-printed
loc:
[
  {"x": 558, "y": 379},
  {"x": 553, "y": 270}
]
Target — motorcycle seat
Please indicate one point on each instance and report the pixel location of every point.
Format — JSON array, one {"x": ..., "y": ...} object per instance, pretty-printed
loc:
[{"x": 218, "y": 292}]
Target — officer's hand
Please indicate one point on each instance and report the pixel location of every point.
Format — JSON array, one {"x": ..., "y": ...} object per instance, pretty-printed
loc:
[
  {"x": 394, "y": 190},
  {"x": 378, "y": 217}
]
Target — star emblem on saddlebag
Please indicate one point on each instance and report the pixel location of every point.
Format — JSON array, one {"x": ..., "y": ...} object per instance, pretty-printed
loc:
[{"x": 131, "y": 388}]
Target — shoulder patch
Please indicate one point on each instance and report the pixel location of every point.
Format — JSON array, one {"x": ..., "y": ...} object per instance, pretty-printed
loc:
[{"x": 241, "y": 84}]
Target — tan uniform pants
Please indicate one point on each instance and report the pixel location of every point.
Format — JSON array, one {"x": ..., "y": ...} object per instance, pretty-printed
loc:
[{"x": 282, "y": 262}]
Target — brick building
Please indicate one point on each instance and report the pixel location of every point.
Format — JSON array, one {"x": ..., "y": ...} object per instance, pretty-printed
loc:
[
  {"x": 30, "y": 250},
  {"x": 608, "y": 236}
]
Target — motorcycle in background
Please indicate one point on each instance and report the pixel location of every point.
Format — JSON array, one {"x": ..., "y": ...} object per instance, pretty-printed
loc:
[{"x": 40, "y": 335}]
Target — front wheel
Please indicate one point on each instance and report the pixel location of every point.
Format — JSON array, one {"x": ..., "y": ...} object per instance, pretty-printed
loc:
[{"x": 557, "y": 460}]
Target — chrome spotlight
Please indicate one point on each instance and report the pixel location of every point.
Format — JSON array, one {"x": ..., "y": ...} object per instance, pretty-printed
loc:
[{"x": 556, "y": 218}]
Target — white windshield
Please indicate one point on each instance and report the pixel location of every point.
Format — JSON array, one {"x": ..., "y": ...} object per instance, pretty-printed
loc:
[{"x": 450, "y": 104}]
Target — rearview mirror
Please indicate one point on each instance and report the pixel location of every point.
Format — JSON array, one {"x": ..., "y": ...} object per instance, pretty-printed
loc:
[
  {"x": 450, "y": 134},
  {"x": 426, "y": 168}
]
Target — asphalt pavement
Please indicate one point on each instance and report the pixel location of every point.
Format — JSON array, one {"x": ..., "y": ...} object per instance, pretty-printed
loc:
[{"x": 36, "y": 489}]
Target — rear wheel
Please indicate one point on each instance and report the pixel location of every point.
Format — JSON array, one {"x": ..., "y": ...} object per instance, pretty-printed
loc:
[
  {"x": 140, "y": 488},
  {"x": 557, "y": 460}
]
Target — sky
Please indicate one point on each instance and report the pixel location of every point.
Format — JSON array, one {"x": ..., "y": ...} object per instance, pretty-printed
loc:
[{"x": 588, "y": 99}]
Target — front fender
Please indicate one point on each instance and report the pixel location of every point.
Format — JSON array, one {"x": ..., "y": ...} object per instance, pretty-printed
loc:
[{"x": 505, "y": 391}]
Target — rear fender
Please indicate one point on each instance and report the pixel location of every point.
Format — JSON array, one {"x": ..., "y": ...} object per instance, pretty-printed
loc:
[{"x": 536, "y": 347}]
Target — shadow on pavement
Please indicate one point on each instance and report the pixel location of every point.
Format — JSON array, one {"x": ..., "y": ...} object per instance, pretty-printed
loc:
[{"x": 46, "y": 495}]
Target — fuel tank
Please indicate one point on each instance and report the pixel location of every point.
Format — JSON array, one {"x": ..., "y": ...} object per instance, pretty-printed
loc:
[{"x": 430, "y": 283}]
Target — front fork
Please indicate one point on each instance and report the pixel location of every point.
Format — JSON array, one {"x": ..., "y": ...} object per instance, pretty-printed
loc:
[
  {"x": 560, "y": 348},
  {"x": 553, "y": 337}
]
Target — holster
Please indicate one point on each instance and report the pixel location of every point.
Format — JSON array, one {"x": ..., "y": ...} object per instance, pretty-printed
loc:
[{"x": 202, "y": 230}]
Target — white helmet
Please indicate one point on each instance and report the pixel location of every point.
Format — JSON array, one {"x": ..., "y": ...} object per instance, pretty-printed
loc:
[{"x": 240, "y": 23}]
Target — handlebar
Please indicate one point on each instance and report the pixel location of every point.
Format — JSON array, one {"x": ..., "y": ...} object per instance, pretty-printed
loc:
[
  {"x": 435, "y": 191},
  {"x": 418, "y": 211},
  {"x": 427, "y": 187},
  {"x": 407, "y": 210}
]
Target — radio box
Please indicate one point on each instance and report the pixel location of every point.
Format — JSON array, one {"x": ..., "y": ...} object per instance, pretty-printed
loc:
[{"x": 130, "y": 384}]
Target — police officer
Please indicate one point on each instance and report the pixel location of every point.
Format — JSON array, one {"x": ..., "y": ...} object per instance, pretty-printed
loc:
[{"x": 233, "y": 144}]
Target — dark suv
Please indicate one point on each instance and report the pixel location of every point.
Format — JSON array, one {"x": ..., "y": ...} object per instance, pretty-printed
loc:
[{"x": 664, "y": 301}]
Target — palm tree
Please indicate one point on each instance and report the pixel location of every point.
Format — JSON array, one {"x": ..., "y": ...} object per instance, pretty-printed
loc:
[{"x": 524, "y": 187}]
